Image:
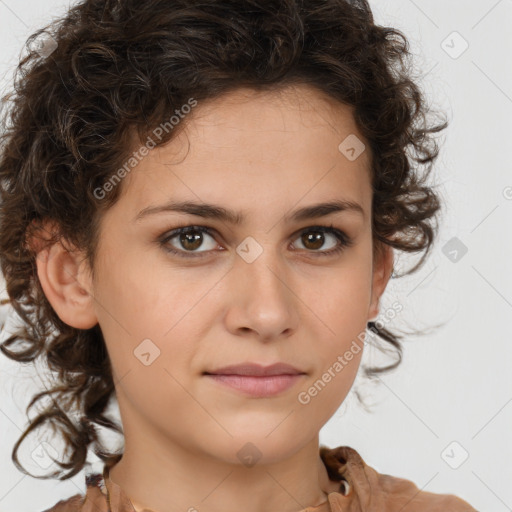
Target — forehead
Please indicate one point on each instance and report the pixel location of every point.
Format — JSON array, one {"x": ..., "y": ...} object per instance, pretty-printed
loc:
[{"x": 278, "y": 146}]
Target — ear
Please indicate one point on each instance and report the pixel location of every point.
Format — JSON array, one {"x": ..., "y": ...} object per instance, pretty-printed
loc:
[
  {"x": 64, "y": 276},
  {"x": 382, "y": 270}
]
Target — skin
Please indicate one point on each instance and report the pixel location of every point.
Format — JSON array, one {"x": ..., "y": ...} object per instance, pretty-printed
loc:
[{"x": 265, "y": 155}]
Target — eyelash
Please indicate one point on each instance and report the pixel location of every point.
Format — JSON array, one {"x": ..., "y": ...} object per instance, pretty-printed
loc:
[{"x": 344, "y": 240}]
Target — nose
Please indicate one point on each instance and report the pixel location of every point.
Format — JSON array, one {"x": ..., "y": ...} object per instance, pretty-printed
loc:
[{"x": 262, "y": 300}]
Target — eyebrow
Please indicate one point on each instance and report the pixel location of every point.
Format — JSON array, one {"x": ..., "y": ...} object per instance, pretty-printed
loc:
[{"x": 211, "y": 211}]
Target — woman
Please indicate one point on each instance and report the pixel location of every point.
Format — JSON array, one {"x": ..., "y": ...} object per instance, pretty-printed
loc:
[{"x": 200, "y": 207}]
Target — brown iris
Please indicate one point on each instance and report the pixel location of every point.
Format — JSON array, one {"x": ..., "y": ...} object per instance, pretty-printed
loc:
[
  {"x": 194, "y": 238},
  {"x": 314, "y": 237}
]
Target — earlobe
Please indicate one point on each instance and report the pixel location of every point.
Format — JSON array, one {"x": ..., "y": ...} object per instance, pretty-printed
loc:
[
  {"x": 66, "y": 285},
  {"x": 383, "y": 269}
]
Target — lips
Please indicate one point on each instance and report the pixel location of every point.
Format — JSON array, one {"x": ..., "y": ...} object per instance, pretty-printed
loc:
[{"x": 256, "y": 370}]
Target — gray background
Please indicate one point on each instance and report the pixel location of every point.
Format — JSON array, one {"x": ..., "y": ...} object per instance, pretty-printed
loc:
[{"x": 451, "y": 397}]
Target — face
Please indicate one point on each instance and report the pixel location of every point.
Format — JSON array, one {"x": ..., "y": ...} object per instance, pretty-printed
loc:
[{"x": 273, "y": 287}]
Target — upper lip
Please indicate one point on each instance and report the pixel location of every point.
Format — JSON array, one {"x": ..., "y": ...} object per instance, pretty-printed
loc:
[{"x": 256, "y": 369}]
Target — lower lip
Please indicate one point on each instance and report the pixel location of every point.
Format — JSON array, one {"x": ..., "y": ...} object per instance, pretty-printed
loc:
[{"x": 263, "y": 386}]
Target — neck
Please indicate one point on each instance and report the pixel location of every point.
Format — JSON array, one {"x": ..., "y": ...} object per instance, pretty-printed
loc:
[{"x": 172, "y": 478}]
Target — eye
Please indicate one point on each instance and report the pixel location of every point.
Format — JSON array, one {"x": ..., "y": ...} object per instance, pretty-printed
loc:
[
  {"x": 189, "y": 239},
  {"x": 314, "y": 238},
  {"x": 185, "y": 241}
]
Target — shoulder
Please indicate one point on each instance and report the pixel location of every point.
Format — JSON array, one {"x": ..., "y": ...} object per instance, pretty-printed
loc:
[
  {"x": 401, "y": 492},
  {"x": 73, "y": 504},
  {"x": 378, "y": 491}
]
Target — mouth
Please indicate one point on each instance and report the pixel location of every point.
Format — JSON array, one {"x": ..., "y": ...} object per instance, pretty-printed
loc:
[
  {"x": 257, "y": 370},
  {"x": 256, "y": 380}
]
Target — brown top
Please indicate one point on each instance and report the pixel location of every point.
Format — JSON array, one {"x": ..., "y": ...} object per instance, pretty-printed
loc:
[{"x": 356, "y": 487}]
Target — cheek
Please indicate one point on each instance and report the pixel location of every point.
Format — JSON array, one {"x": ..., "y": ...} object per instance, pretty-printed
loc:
[
  {"x": 342, "y": 299},
  {"x": 134, "y": 292},
  {"x": 149, "y": 319},
  {"x": 342, "y": 350},
  {"x": 343, "y": 309},
  {"x": 320, "y": 397}
]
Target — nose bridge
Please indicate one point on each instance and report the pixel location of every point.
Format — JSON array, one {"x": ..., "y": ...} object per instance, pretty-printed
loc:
[
  {"x": 262, "y": 263},
  {"x": 264, "y": 295}
]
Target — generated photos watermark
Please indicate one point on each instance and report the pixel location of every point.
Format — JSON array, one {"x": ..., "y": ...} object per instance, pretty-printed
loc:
[
  {"x": 137, "y": 156},
  {"x": 304, "y": 397}
]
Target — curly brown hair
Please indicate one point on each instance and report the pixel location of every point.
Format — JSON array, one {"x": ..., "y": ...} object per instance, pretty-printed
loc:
[{"x": 121, "y": 67}]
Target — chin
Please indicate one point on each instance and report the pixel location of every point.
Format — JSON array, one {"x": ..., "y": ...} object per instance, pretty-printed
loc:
[{"x": 268, "y": 446}]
